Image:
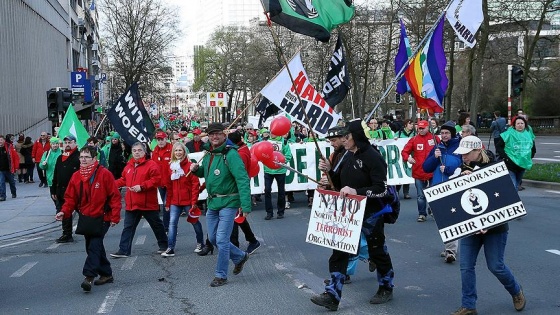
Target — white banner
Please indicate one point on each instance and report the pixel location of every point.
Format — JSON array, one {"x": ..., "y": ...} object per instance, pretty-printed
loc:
[
  {"x": 281, "y": 93},
  {"x": 465, "y": 16},
  {"x": 336, "y": 222}
]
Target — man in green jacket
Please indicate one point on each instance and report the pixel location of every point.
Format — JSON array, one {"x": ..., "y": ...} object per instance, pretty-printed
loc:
[
  {"x": 48, "y": 160},
  {"x": 227, "y": 184},
  {"x": 280, "y": 176}
]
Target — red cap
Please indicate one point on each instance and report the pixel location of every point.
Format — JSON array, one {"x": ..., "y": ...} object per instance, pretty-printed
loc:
[
  {"x": 253, "y": 133},
  {"x": 423, "y": 124},
  {"x": 197, "y": 131},
  {"x": 161, "y": 135}
]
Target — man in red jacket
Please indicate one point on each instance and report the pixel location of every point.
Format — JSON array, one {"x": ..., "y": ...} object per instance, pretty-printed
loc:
[
  {"x": 9, "y": 163},
  {"x": 162, "y": 156},
  {"x": 415, "y": 152},
  {"x": 40, "y": 146},
  {"x": 90, "y": 191},
  {"x": 141, "y": 177}
]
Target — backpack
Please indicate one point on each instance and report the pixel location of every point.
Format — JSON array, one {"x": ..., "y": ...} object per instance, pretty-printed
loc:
[{"x": 391, "y": 204}]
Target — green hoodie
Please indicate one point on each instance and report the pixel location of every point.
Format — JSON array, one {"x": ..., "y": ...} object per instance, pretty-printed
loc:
[
  {"x": 227, "y": 182},
  {"x": 51, "y": 162},
  {"x": 278, "y": 144}
]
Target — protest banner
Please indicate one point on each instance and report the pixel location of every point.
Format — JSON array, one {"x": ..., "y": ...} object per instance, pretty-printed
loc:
[
  {"x": 470, "y": 203},
  {"x": 336, "y": 222}
]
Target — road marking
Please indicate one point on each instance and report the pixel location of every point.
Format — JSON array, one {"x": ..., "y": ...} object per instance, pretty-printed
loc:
[
  {"x": 23, "y": 269},
  {"x": 545, "y": 159},
  {"x": 553, "y": 251},
  {"x": 140, "y": 240},
  {"x": 551, "y": 143},
  {"x": 145, "y": 225},
  {"x": 21, "y": 242},
  {"x": 109, "y": 302},
  {"x": 553, "y": 191},
  {"x": 53, "y": 246},
  {"x": 128, "y": 263}
]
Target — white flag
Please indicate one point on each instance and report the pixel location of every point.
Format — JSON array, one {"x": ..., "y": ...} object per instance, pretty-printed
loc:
[
  {"x": 279, "y": 91},
  {"x": 465, "y": 16}
]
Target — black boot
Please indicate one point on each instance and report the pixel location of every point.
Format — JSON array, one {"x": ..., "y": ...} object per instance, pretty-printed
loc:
[
  {"x": 382, "y": 296},
  {"x": 208, "y": 248},
  {"x": 327, "y": 300}
]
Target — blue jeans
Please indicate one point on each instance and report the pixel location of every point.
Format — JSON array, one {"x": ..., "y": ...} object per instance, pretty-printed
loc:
[
  {"x": 420, "y": 198},
  {"x": 516, "y": 178},
  {"x": 131, "y": 220},
  {"x": 96, "y": 261},
  {"x": 220, "y": 225},
  {"x": 9, "y": 177},
  {"x": 174, "y": 214},
  {"x": 494, "y": 247},
  {"x": 281, "y": 183},
  {"x": 166, "y": 218}
]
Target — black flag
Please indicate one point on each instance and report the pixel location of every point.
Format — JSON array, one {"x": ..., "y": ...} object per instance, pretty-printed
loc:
[
  {"x": 337, "y": 84},
  {"x": 130, "y": 118},
  {"x": 266, "y": 109}
]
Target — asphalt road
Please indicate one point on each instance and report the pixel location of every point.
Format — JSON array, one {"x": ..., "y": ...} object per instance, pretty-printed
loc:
[
  {"x": 41, "y": 277},
  {"x": 548, "y": 148}
]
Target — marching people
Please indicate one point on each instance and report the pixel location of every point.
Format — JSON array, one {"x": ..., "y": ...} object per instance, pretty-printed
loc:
[
  {"x": 28, "y": 164},
  {"x": 92, "y": 192},
  {"x": 115, "y": 158},
  {"x": 434, "y": 126},
  {"x": 162, "y": 156},
  {"x": 66, "y": 165},
  {"x": 407, "y": 131},
  {"x": 363, "y": 172},
  {"x": 41, "y": 146},
  {"x": 415, "y": 152},
  {"x": 498, "y": 125},
  {"x": 442, "y": 163},
  {"x": 21, "y": 170},
  {"x": 48, "y": 160},
  {"x": 141, "y": 177},
  {"x": 494, "y": 241},
  {"x": 182, "y": 196},
  {"x": 9, "y": 163},
  {"x": 278, "y": 175},
  {"x": 227, "y": 184}
]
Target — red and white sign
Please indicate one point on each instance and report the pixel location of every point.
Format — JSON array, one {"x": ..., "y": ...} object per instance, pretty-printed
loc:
[{"x": 216, "y": 99}]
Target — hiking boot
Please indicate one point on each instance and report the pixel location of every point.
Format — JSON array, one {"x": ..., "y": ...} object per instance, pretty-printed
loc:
[
  {"x": 239, "y": 267},
  {"x": 465, "y": 311},
  {"x": 253, "y": 247},
  {"x": 449, "y": 257},
  {"x": 327, "y": 300},
  {"x": 86, "y": 285},
  {"x": 421, "y": 218},
  {"x": 383, "y": 295},
  {"x": 168, "y": 253},
  {"x": 103, "y": 279},
  {"x": 519, "y": 300},
  {"x": 64, "y": 239},
  {"x": 218, "y": 282},
  {"x": 119, "y": 254},
  {"x": 268, "y": 216}
]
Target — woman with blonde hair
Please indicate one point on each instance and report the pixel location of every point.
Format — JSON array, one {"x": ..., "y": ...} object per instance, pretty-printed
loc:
[{"x": 182, "y": 195}]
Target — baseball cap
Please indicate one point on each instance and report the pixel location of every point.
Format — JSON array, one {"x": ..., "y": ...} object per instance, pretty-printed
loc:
[
  {"x": 161, "y": 135},
  {"x": 197, "y": 131},
  {"x": 423, "y": 124},
  {"x": 468, "y": 144},
  {"x": 70, "y": 138}
]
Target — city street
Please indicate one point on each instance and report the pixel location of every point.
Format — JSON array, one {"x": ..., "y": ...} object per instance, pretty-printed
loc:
[{"x": 38, "y": 276}]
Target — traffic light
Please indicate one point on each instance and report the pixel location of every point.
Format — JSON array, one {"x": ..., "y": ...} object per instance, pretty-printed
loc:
[
  {"x": 516, "y": 81},
  {"x": 397, "y": 98},
  {"x": 66, "y": 98},
  {"x": 52, "y": 105}
]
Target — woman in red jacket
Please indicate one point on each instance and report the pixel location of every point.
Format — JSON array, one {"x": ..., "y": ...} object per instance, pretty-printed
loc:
[
  {"x": 182, "y": 195},
  {"x": 89, "y": 190}
]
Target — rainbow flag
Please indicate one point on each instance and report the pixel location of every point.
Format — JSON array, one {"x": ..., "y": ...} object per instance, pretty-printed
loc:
[{"x": 426, "y": 73}]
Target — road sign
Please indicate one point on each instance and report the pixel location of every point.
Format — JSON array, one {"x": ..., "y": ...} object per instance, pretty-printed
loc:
[
  {"x": 78, "y": 81},
  {"x": 103, "y": 77},
  {"x": 216, "y": 99}
]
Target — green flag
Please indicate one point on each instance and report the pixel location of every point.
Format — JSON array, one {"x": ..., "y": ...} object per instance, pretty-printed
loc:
[
  {"x": 316, "y": 19},
  {"x": 71, "y": 125}
]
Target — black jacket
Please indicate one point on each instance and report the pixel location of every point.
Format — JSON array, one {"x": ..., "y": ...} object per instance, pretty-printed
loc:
[
  {"x": 116, "y": 162},
  {"x": 63, "y": 171}
]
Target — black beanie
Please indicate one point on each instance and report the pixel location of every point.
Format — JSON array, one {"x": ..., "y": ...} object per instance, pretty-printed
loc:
[{"x": 450, "y": 125}]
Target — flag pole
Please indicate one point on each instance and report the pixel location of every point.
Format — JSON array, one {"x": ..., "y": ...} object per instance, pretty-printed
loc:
[
  {"x": 405, "y": 66},
  {"x": 285, "y": 61},
  {"x": 99, "y": 126}
]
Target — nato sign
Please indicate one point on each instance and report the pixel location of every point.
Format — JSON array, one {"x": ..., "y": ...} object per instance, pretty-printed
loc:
[{"x": 467, "y": 204}]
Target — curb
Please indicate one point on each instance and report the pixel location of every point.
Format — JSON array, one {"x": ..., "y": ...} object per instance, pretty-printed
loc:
[{"x": 539, "y": 184}]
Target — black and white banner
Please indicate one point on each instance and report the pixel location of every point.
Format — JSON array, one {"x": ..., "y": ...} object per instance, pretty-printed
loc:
[
  {"x": 337, "y": 85},
  {"x": 468, "y": 204},
  {"x": 130, "y": 118}
]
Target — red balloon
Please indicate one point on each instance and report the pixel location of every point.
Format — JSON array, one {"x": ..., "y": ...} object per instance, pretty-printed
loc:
[
  {"x": 280, "y": 126},
  {"x": 263, "y": 151},
  {"x": 277, "y": 157},
  {"x": 255, "y": 168}
]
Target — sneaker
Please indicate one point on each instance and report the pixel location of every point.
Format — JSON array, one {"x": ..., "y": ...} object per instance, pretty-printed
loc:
[
  {"x": 218, "y": 282},
  {"x": 103, "y": 279},
  {"x": 327, "y": 300},
  {"x": 64, "y": 239},
  {"x": 41, "y": 185},
  {"x": 119, "y": 255},
  {"x": 449, "y": 257},
  {"x": 465, "y": 311},
  {"x": 253, "y": 247},
  {"x": 383, "y": 295},
  {"x": 421, "y": 218},
  {"x": 268, "y": 216},
  {"x": 161, "y": 250},
  {"x": 168, "y": 253},
  {"x": 239, "y": 267},
  {"x": 519, "y": 300},
  {"x": 198, "y": 248},
  {"x": 86, "y": 284},
  {"x": 287, "y": 205},
  {"x": 280, "y": 216}
]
